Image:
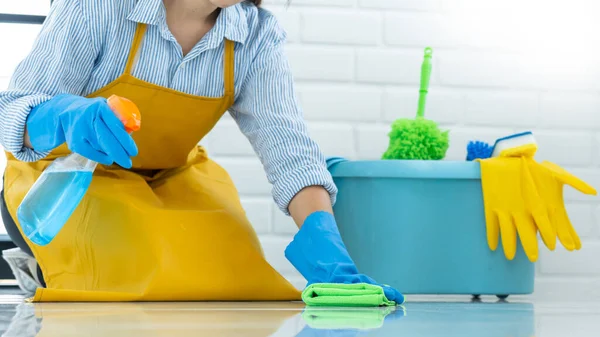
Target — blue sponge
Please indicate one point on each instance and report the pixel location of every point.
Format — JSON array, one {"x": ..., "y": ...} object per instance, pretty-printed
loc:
[{"x": 478, "y": 150}]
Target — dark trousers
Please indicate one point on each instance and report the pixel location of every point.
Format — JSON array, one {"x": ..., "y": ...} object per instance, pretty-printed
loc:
[{"x": 14, "y": 234}]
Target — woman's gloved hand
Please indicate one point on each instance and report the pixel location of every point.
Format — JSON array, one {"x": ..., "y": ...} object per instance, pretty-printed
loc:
[
  {"x": 319, "y": 254},
  {"x": 88, "y": 126}
]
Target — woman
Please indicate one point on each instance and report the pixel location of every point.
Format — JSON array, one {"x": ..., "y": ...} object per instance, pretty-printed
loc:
[{"x": 161, "y": 221}]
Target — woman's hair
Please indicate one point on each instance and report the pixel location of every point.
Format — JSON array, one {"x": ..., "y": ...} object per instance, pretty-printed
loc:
[{"x": 256, "y": 2}]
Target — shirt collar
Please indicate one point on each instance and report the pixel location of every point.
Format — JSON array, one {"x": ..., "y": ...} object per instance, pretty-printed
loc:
[
  {"x": 236, "y": 23},
  {"x": 232, "y": 22},
  {"x": 146, "y": 11}
]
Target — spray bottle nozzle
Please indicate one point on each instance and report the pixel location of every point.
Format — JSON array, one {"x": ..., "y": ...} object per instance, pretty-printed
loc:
[{"x": 127, "y": 112}]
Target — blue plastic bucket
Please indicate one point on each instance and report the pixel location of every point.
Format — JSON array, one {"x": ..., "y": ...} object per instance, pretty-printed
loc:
[{"x": 419, "y": 226}]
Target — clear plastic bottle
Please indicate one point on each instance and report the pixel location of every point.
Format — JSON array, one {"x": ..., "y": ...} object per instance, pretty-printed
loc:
[{"x": 60, "y": 188}]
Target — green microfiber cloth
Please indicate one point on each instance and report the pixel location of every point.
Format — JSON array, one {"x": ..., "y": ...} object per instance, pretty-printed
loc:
[
  {"x": 346, "y": 318},
  {"x": 345, "y": 295}
]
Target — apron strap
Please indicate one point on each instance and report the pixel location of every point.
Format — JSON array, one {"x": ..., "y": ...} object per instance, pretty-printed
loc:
[
  {"x": 228, "y": 67},
  {"x": 135, "y": 46}
]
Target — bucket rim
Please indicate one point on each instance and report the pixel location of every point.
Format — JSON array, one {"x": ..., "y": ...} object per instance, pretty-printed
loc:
[{"x": 412, "y": 169}]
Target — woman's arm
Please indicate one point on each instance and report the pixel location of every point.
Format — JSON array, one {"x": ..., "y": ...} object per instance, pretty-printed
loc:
[
  {"x": 61, "y": 61},
  {"x": 308, "y": 201},
  {"x": 27, "y": 140},
  {"x": 268, "y": 113}
]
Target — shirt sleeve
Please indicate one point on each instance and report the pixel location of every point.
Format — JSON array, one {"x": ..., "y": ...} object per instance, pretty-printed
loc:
[
  {"x": 61, "y": 61},
  {"x": 268, "y": 113}
]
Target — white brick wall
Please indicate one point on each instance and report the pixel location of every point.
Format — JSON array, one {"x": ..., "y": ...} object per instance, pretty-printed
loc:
[
  {"x": 357, "y": 63},
  {"x": 349, "y": 28}
]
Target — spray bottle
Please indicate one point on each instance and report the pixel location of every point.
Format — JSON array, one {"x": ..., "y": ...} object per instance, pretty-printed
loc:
[{"x": 56, "y": 194}]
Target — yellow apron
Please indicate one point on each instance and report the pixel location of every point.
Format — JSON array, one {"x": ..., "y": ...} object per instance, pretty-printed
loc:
[{"x": 170, "y": 229}]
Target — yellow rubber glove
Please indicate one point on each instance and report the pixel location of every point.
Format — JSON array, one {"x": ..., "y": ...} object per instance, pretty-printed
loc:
[
  {"x": 549, "y": 180},
  {"x": 513, "y": 205}
]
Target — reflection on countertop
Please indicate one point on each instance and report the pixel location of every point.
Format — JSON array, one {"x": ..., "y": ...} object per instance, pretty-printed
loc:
[{"x": 416, "y": 318}]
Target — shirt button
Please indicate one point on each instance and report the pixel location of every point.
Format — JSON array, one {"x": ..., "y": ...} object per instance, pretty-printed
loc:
[{"x": 182, "y": 65}]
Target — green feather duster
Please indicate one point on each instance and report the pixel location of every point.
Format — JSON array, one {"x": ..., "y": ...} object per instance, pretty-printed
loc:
[{"x": 419, "y": 138}]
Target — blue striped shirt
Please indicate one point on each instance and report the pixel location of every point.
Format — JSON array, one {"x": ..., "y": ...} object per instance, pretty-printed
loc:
[{"x": 83, "y": 45}]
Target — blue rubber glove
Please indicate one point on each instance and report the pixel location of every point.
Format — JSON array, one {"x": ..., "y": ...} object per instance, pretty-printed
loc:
[
  {"x": 88, "y": 126},
  {"x": 319, "y": 254}
]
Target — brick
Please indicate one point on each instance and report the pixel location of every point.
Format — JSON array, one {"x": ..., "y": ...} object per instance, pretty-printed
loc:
[
  {"x": 573, "y": 111},
  {"x": 297, "y": 281},
  {"x": 483, "y": 26},
  {"x": 501, "y": 108},
  {"x": 321, "y": 63},
  {"x": 283, "y": 224},
  {"x": 20, "y": 40},
  {"x": 584, "y": 323},
  {"x": 580, "y": 75},
  {"x": 4, "y": 81},
  {"x": 372, "y": 141},
  {"x": 390, "y": 67},
  {"x": 590, "y": 176},
  {"x": 565, "y": 148},
  {"x": 481, "y": 69},
  {"x": 289, "y": 19},
  {"x": 596, "y": 230},
  {"x": 442, "y": 106},
  {"x": 274, "y": 248},
  {"x": 247, "y": 174},
  {"x": 226, "y": 117},
  {"x": 483, "y": 7},
  {"x": 419, "y": 30},
  {"x": 334, "y": 140},
  {"x": 460, "y": 137},
  {"x": 566, "y": 290},
  {"x": 340, "y": 102},
  {"x": 596, "y": 150},
  {"x": 226, "y": 139},
  {"x": 259, "y": 212},
  {"x": 402, "y": 4},
  {"x": 578, "y": 263},
  {"x": 362, "y": 28},
  {"x": 28, "y": 7}
]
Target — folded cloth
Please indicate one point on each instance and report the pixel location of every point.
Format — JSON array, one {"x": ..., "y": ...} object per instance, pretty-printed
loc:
[
  {"x": 24, "y": 268},
  {"x": 348, "y": 318},
  {"x": 345, "y": 295}
]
